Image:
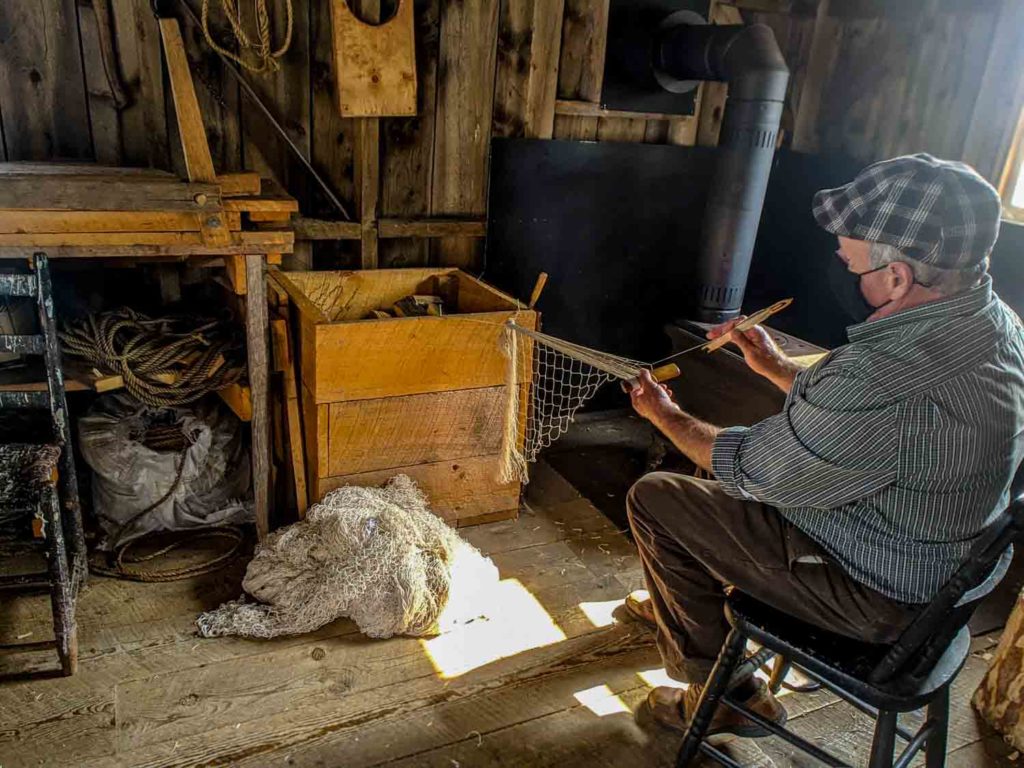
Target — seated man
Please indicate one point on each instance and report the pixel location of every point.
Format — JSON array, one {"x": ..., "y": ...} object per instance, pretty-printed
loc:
[{"x": 853, "y": 506}]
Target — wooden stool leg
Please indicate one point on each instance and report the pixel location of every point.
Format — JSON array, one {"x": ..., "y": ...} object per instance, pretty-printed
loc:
[
  {"x": 884, "y": 743},
  {"x": 718, "y": 681},
  {"x": 71, "y": 510},
  {"x": 62, "y": 598},
  {"x": 938, "y": 714}
]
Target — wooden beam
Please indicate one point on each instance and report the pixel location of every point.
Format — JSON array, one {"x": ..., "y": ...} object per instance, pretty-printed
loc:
[
  {"x": 239, "y": 184},
  {"x": 390, "y": 228},
  {"x": 235, "y": 268},
  {"x": 238, "y": 398},
  {"x": 33, "y": 222},
  {"x": 258, "y": 364},
  {"x": 433, "y": 227},
  {"x": 590, "y": 109},
  {"x": 136, "y": 239},
  {"x": 198, "y": 161},
  {"x": 152, "y": 245},
  {"x": 101, "y": 193},
  {"x": 368, "y": 188},
  {"x": 272, "y": 198},
  {"x": 322, "y": 229}
]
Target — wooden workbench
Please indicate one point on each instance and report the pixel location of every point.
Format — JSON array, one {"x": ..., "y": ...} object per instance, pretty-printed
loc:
[{"x": 88, "y": 211}]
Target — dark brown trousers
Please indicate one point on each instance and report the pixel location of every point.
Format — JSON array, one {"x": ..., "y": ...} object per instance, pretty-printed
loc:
[{"x": 694, "y": 540}]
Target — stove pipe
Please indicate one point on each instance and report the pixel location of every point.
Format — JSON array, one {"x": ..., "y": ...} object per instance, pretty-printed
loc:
[{"x": 749, "y": 60}]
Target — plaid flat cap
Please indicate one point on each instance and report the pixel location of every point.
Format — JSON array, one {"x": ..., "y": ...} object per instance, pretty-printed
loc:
[{"x": 939, "y": 212}]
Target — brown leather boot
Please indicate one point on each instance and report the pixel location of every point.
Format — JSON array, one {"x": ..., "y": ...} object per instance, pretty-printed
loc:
[
  {"x": 673, "y": 708},
  {"x": 640, "y": 607}
]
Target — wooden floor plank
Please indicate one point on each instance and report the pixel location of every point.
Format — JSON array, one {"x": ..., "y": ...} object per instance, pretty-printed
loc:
[
  {"x": 151, "y": 693},
  {"x": 383, "y": 679}
]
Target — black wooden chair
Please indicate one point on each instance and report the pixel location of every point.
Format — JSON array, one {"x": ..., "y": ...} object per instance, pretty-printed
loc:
[
  {"x": 37, "y": 469},
  {"x": 880, "y": 680}
]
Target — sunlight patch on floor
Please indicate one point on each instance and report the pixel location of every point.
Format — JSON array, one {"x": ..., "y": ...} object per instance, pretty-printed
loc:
[
  {"x": 658, "y": 677},
  {"x": 601, "y": 701},
  {"x": 510, "y": 621},
  {"x": 600, "y": 613}
]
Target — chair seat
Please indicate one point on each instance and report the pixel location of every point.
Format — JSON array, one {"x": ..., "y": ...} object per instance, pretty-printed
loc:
[
  {"x": 25, "y": 469},
  {"x": 844, "y": 662}
]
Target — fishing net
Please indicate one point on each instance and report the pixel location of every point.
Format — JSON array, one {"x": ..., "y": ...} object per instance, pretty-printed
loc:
[
  {"x": 375, "y": 555},
  {"x": 548, "y": 380}
]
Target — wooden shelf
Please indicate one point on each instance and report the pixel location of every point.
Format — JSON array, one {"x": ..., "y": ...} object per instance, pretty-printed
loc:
[{"x": 32, "y": 378}]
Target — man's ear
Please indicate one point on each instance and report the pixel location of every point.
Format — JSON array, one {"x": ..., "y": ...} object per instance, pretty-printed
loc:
[{"x": 902, "y": 277}]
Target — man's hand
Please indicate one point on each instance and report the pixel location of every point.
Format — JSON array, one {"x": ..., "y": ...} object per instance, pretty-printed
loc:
[
  {"x": 692, "y": 436},
  {"x": 762, "y": 354},
  {"x": 652, "y": 400}
]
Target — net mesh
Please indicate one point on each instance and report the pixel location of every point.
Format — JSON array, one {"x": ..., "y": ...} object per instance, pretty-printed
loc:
[
  {"x": 548, "y": 381},
  {"x": 376, "y": 555}
]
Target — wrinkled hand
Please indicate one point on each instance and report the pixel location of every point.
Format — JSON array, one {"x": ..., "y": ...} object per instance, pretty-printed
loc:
[
  {"x": 650, "y": 399},
  {"x": 759, "y": 349}
]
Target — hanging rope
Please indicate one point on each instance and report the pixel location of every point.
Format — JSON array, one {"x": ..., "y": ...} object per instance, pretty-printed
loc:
[
  {"x": 266, "y": 57},
  {"x": 163, "y": 361}
]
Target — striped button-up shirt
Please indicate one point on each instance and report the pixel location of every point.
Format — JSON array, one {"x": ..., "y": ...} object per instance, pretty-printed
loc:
[{"x": 895, "y": 451}]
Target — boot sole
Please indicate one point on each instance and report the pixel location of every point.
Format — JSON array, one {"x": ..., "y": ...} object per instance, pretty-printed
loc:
[{"x": 644, "y": 717}]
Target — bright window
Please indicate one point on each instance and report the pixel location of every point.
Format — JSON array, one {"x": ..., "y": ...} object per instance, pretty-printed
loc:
[{"x": 1012, "y": 186}]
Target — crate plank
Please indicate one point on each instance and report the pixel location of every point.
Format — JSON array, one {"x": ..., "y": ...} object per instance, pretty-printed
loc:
[
  {"x": 457, "y": 490},
  {"x": 398, "y": 431},
  {"x": 408, "y": 356}
]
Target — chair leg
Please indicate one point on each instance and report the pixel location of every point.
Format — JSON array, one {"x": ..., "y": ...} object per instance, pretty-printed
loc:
[
  {"x": 62, "y": 599},
  {"x": 717, "y": 682},
  {"x": 938, "y": 715},
  {"x": 780, "y": 669},
  {"x": 884, "y": 742}
]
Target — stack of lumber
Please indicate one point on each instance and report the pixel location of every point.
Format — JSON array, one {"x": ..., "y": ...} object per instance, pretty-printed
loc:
[
  {"x": 422, "y": 396},
  {"x": 85, "y": 210},
  {"x": 75, "y": 210}
]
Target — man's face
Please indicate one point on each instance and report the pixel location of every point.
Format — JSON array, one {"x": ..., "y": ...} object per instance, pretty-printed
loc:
[{"x": 878, "y": 287}]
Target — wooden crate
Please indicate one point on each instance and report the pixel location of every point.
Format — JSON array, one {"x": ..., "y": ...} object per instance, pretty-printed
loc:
[{"x": 423, "y": 396}]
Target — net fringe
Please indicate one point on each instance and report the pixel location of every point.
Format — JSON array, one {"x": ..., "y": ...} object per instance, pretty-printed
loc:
[{"x": 558, "y": 377}]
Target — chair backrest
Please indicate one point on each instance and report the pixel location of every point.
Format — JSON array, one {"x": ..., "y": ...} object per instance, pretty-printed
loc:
[{"x": 926, "y": 639}]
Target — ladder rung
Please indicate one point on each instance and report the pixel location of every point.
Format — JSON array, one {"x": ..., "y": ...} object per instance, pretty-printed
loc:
[
  {"x": 24, "y": 399},
  {"x": 18, "y": 285},
  {"x": 30, "y": 582},
  {"x": 22, "y": 345},
  {"x": 42, "y": 645}
]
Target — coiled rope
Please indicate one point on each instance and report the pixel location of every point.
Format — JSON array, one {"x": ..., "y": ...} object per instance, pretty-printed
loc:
[
  {"x": 163, "y": 361},
  {"x": 261, "y": 48}
]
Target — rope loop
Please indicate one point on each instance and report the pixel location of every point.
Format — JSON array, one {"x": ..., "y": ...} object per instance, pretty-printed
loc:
[{"x": 259, "y": 48}]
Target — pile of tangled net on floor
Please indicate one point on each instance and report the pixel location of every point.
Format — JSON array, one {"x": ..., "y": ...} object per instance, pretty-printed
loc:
[{"x": 375, "y": 555}]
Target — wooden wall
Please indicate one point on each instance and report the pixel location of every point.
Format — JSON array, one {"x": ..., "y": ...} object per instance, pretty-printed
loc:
[
  {"x": 878, "y": 78},
  {"x": 871, "y": 78}
]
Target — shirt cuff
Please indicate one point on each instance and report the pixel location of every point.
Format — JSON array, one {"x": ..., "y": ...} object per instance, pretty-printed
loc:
[{"x": 725, "y": 460}]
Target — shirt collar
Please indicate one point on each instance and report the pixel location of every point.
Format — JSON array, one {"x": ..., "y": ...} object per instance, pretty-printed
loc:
[{"x": 968, "y": 302}]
